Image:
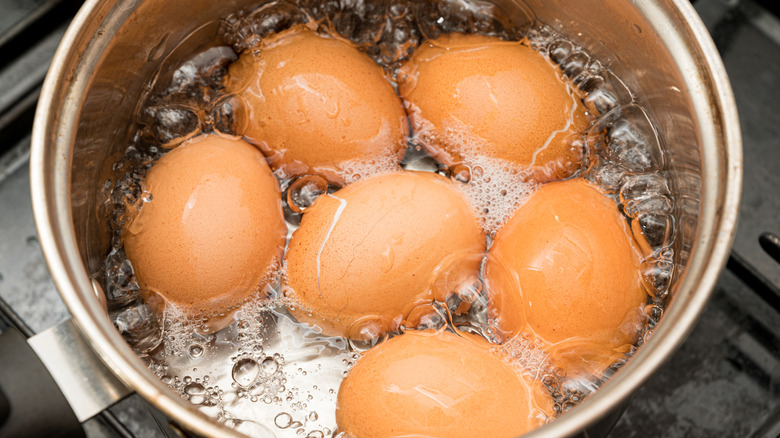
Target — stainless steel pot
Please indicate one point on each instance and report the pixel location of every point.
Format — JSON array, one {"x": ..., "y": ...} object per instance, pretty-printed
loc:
[{"x": 114, "y": 48}]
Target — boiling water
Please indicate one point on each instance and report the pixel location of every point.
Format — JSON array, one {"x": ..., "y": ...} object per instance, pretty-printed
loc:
[{"x": 266, "y": 375}]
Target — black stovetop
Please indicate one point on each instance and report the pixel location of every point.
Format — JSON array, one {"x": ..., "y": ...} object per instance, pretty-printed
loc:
[{"x": 724, "y": 380}]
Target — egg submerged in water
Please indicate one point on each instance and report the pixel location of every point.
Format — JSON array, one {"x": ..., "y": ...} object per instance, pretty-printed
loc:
[
  {"x": 474, "y": 96},
  {"x": 368, "y": 253},
  {"x": 575, "y": 265},
  {"x": 212, "y": 232},
  {"x": 315, "y": 104},
  {"x": 437, "y": 384}
]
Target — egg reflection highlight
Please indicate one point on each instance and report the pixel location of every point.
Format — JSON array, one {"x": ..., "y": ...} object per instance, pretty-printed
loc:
[
  {"x": 369, "y": 251},
  {"x": 315, "y": 104}
]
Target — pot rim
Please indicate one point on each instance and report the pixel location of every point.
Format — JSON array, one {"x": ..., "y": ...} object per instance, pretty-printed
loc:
[{"x": 54, "y": 131}]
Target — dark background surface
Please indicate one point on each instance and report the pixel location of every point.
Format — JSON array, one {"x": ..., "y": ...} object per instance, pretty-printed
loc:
[{"x": 725, "y": 379}]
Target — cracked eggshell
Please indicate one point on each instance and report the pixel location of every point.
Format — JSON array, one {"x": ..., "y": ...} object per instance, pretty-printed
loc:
[{"x": 371, "y": 250}]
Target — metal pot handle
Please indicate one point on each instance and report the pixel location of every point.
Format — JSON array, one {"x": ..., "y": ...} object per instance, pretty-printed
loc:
[{"x": 53, "y": 393}]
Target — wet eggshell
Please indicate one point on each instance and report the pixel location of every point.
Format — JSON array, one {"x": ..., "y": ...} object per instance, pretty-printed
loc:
[
  {"x": 370, "y": 251},
  {"x": 315, "y": 104},
  {"x": 575, "y": 264},
  {"x": 436, "y": 385},
  {"x": 213, "y": 229},
  {"x": 474, "y": 95}
]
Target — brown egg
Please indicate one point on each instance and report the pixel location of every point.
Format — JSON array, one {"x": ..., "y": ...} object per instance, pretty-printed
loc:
[
  {"x": 575, "y": 265},
  {"x": 472, "y": 96},
  {"x": 213, "y": 230},
  {"x": 437, "y": 385},
  {"x": 315, "y": 104},
  {"x": 371, "y": 250}
]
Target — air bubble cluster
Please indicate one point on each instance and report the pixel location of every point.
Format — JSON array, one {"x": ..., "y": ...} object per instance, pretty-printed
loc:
[
  {"x": 625, "y": 158},
  {"x": 494, "y": 189}
]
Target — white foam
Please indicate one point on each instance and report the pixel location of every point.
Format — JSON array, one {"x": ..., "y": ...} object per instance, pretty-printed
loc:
[
  {"x": 356, "y": 170},
  {"x": 496, "y": 190}
]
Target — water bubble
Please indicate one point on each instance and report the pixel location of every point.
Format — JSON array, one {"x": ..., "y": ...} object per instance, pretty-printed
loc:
[
  {"x": 245, "y": 29},
  {"x": 625, "y": 135},
  {"x": 575, "y": 64},
  {"x": 647, "y": 204},
  {"x": 171, "y": 125},
  {"x": 304, "y": 191},
  {"x": 227, "y": 116},
  {"x": 477, "y": 172},
  {"x": 426, "y": 317},
  {"x": 398, "y": 40},
  {"x": 461, "y": 173},
  {"x": 656, "y": 229},
  {"x": 139, "y": 326},
  {"x": 367, "y": 332},
  {"x": 632, "y": 141},
  {"x": 657, "y": 272},
  {"x": 283, "y": 420},
  {"x": 605, "y": 92},
  {"x": 643, "y": 185},
  {"x": 196, "y": 351},
  {"x": 195, "y": 392},
  {"x": 600, "y": 97},
  {"x": 269, "y": 366},
  {"x": 312, "y": 416},
  {"x": 245, "y": 372},
  {"x": 654, "y": 312},
  {"x": 467, "y": 16},
  {"x": 316, "y": 434},
  {"x": 608, "y": 175},
  {"x": 122, "y": 288},
  {"x": 559, "y": 50},
  {"x": 521, "y": 351},
  {"x": 385, "y": 31},
  {"x": 146, "y": 197},
  {"x": 459, "y": 284},
  {"x": 195, "y": 80}
]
